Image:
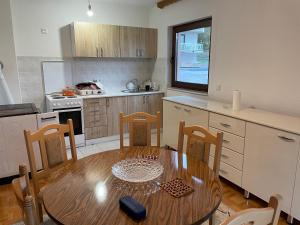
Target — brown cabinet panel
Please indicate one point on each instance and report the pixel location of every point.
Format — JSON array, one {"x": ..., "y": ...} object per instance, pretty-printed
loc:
[
  {"x": 137, "y": 104},
  {"x": 129, "y": 42},
  {"x": 84, "y": 39},
  {"x": 148, "y": 43},
  {"x": 114, "y": 107},
  {"x": 108, "y": 41}
]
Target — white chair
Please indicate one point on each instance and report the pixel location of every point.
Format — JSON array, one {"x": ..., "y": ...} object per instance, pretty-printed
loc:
[{"x": 264, "y": 216}]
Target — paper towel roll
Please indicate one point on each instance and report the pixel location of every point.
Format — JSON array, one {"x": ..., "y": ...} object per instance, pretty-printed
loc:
[{"x": 236, "y": 100}]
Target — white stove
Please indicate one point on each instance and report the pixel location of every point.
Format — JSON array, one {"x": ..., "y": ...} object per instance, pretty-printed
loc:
[
  {"x": 57, "y": 101},
  {"x": 68, "y": 108}
]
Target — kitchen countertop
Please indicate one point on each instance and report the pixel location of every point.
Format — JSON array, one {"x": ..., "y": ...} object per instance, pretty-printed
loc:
[
  {"x": 121, "y": 94},
  {"x": 279, "y": 121},
  {"x": 18, "y": 110}
]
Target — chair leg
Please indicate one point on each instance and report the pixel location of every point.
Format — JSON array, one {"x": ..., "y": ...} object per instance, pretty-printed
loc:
[
  {"x": 212, "y": 220},
  {"x": 40, "y": 212}
]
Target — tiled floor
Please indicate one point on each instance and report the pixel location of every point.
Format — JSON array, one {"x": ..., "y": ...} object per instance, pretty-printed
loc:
[{"x": 232, "y": 197}]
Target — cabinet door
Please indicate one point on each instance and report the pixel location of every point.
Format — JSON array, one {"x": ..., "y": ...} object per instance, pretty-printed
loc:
[
  {"x": 13, "y": 150},
  {"x": 129, "y": 42},
  {"x": 270, "y": 160},
  {"x": 115, "y": 105},
  {"x": 155, "y": 103},
  {"x": 296, "y": 198},
  {"x": 85, "y": 39},
  {"x": 137, "y": 104},
  {"x": 108, "y": 41},
  {"x": 148, "y": 43},
  {"x": 172, "y": 114}
]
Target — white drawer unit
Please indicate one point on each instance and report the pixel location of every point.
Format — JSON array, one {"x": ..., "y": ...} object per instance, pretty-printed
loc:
[
  {"x": 174, "y": 113},
  {"x": 228, "y": 124},
  {"x": 296, "y": 198},
  {"x": 231, "y": 141},
  {"x": 270, "y": 161},
  {"x": 228, "y": 172},
  {"x": 230, "y": 157}
]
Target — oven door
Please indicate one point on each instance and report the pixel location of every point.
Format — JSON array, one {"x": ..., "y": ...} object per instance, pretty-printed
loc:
[{"x": 75, "y": 114}]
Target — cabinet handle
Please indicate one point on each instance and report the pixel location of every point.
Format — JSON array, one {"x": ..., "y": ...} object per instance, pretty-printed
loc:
[
  {"x": 107, "y": 102},
  {"x": 141, "y": 52},
  {"x": 102, "y": 52},
  {"x": 226, "y": 141},
  {"x": 225, "y": 125},
  {"x": 224, "y": 156},
  {"x": 144, "y": 100},
  {"x": 177, "y": 107},
  {"x": 223, "y": 171},
  {"x": 97, "y": 52},
  {"x": 137, "y": 53},
  {"x": 286, "y": 138},
  {"x": 188, "y": 110}
]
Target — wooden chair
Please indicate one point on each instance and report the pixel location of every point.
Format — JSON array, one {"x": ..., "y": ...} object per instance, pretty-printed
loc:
[
  {"x": 52, "y": 152},
  {"x": 21, "y": 187},
  {"x": 139, "y": 125},
  {"x": 265, "y": 216},
  {"x": 199, "y": 140}
]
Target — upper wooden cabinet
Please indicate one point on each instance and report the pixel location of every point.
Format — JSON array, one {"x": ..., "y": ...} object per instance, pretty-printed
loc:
[
  {"x": 95, "y": 40},
  {"x": 84, "y": 39},
  {"x": 138, "y": 42},
  {"x": 108, "y": 41}
]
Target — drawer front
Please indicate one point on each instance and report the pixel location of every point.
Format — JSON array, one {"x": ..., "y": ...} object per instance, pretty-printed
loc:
[
  {"x": 230, "y": 157},
  {"x": 193, "y": 116},
  {"x": 95, "y": 105},
  {"x": 231, "y": 125},
  {"x": 231, "y": 141},
  {"x": 228, "y": 172}
]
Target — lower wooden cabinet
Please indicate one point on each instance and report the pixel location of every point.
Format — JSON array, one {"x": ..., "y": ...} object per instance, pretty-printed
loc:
[
  {"x": 270, "y": 161},
  {"x": 101, "y": 115},
  {"x": 115, "y": 105},
  {"x": 95, "y": 118}
]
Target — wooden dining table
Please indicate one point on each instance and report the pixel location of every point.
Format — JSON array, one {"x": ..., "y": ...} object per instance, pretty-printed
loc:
[{"x": 88, "y": 192}]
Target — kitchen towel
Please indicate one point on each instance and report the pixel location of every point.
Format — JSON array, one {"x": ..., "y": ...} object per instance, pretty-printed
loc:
[{"x": 236, "y": 101}]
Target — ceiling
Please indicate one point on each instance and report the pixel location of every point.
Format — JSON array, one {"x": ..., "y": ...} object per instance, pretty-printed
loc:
[{"x": 135, "y": 2}]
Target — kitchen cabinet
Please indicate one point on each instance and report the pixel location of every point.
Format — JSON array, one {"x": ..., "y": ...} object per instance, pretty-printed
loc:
[
  {"x": 95, "y": 118},
  {"x": 84, "y": 39},
  {"x": 138, "y": 42},
  {"x": 174, "y": 113},
  {"x": 270, "y": 161},
  {"x": 95, "y": 40},
  {"x": 115, "y": 105},
  {"x": 13, "y": 150},
  {"x": 108, "y": 41},
  {"x": 101, "y": 115},
  {"x": 137, "y": 103},
  {"x": 296, "y": 198}
]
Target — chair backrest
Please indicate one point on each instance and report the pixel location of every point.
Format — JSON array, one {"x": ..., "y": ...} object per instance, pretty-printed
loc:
[
  {"x": 52, "y": 148},
  {"x": 264, "y": 216},
  {"x": 199, "y": 140},
  {"x": 21, "y": 187},
  {"x": 139, "y": 125}
]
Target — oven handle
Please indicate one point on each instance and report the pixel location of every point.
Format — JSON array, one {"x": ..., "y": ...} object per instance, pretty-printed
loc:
[{"x": 68, "y": 110}]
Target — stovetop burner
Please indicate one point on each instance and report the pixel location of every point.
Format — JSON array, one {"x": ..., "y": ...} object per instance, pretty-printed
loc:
[{"x": 58, "y": 97}]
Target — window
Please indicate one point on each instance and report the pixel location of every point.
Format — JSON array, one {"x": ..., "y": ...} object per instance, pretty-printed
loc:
[{"x": 191, "y": 55}]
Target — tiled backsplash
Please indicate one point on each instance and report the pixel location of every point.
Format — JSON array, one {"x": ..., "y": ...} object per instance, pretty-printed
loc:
[{"x": 113, "y": 73}]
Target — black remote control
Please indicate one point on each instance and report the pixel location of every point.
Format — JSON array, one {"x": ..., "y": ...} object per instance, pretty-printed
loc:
[{"x": 132, "y": 208}]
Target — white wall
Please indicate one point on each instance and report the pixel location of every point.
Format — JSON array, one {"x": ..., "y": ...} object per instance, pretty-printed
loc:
[
  {"x": 255, "y": 48},
  {"x": 7, "y": 50},
  {"x": 29, "y": 16}
]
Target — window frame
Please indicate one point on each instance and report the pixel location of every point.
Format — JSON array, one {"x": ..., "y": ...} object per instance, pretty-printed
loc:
[{"x": 207, "y": 22}]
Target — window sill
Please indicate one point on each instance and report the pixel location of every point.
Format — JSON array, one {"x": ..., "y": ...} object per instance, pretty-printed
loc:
[{"x": 188, "y": 91}]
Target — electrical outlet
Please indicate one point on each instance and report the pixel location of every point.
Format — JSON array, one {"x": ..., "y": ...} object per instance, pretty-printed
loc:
[{"x": 44, "y": 31}]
